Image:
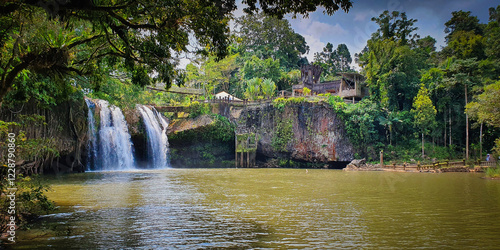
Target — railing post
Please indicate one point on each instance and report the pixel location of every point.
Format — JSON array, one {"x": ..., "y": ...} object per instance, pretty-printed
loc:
[{"x": 418, "y": 165}]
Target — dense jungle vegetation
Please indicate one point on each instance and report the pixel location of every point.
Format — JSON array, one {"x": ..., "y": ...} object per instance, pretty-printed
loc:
[
  {"x": 53, "y": 52},
  {"x": 423, "y": 103}
]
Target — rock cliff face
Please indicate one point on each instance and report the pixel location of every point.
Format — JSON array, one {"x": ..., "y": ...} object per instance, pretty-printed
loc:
[
  {"x": 205, "y": 141},
  {"x": 305, "y": 132},
  {"x": 65, "y": 124}
]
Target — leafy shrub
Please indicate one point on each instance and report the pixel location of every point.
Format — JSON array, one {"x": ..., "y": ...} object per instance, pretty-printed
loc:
[
  {"x": 280, "y": 103},
  {"x": 282, "y": 135},
  {"x": 493, "y": 172},
  {"x": 306, "y": 91},
  {"x": 31, "y": 200},
  {"x": 196, "y": 109}
]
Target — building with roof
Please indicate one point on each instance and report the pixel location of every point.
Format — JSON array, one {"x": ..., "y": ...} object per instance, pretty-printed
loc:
[
  {"x": 225, "y": 95},
  {"x": 351, "y": 86}
]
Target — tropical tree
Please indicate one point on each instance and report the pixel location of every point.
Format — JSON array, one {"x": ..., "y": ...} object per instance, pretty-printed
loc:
[
  {"x": 389, "y": 119},
  {"x": 255, "y": 67},
  {"x": 424, "y": 113},
  {"x": 486, "y": 107},
  {"x": 252, "y": 91},
  {"x": 333, "y": 61},
  {"x": 268, "y": 88},
  {"x": 73, "y": 37},
  {"x": 266, "y": 37},
  {"x": 396, "y": 26},
  {"x": 462, "y": 21}
]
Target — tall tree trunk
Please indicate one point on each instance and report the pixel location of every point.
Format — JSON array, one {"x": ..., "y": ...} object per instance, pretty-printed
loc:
[
  {"x": 449, "y": 119},
  {"x": 423, "y": 146},
  {"x": 390, "y": 135},
  {"x": 466, "y": 128},
  {"x": 481, "y": 141},
  {"x": 444, "y": 117}
]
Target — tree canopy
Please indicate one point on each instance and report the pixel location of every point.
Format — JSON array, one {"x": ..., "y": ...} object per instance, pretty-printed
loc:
[
  {"x": 333, "y": 61},
  {"x": 266, "y": 36},
  {"x": 73, "y": 37}
]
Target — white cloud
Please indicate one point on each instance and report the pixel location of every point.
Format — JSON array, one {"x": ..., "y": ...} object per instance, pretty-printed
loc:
[
  {"x": 315, "y": 45},
  {"x": 320, "y": 29},
  {"x": 307, "y": 26},
  {"x": 361, "y": 16}
]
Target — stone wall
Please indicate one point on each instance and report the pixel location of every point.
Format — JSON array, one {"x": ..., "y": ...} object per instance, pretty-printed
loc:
[{"x": 306, "y": 131}]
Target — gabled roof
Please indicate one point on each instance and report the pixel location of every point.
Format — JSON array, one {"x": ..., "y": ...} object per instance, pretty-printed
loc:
[{"x": 224, "y": 94}]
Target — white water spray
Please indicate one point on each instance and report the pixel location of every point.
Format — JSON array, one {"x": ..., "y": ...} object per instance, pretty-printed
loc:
[
  {"x": 156, "y": 129},
  {"x": 92, "y": 133},
  {"x": 115, "y": 147}
]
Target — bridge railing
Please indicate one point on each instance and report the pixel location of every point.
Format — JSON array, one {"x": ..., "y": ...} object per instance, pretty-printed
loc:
[{"x": 439, "y": 165}]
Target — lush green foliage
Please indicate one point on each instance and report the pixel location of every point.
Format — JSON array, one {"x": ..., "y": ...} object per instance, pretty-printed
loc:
[
  {"x": 283, "y": 134},
  {"x": 30, "y": 150},
  {"x": 66, "y": 39},
  {"x": 333, "y": 61},
  {"x": 396, "y": 62},
  {"x": 337, "y": 103},
  {"x": 221, "y": 130},
  {"x": 281, "y": 103},
  {"x": 31, "y": 200},
  {"x": 196, "y": 109},
  {"x": 271, "y": 38},
  {"x": 486, "y": 108},
  {"x": 122, "y": 93},
  {"x": 493, "y": 172},
  {"x": 256, "y": 53},
  {"x": 423, "y": 111}
]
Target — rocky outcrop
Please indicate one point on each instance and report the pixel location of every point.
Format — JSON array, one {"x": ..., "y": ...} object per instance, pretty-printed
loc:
[
  {"x": 134, "y": 122},
  {"x": 360, "y": 165},
  {"x": 305, "y": 131},
  {"x": 181, "y": 125},
  {"x": 204, "y": 141},
  {"x": 64, "y": 126}
]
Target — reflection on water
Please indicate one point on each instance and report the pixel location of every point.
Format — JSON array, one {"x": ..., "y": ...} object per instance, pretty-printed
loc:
[{"x": 269, "y": 208}]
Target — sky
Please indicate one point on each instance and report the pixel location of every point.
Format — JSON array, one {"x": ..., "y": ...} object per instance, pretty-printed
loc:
[{"x": 355, "y": 28}]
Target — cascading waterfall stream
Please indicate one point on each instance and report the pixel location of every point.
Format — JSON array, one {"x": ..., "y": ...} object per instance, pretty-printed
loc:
[
  {"x": 109, "y": 146},
  {"x": 109, "y": 143},
  {"x": 156, "y": 129},
  {"x": 92, "y": 133},
  {"x": 114, "y": 139}
]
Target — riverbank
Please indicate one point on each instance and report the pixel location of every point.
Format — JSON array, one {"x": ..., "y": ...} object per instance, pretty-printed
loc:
[{"x": 438, "y": 167}]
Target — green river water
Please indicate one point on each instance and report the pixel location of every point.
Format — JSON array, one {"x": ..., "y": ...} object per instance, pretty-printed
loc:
[{"x": 269, "y": 208}]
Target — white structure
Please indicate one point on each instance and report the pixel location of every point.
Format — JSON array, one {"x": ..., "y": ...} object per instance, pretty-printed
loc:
[{"x": 224, "y": 94}]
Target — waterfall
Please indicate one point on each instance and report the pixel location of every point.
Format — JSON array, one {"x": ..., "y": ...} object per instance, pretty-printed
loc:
[
  {"x": 114, "y": 140},
  {"x": 156, "y": 129},
  {"x": 109, "y": 146},
  {"x": 92, "y": 133}
]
